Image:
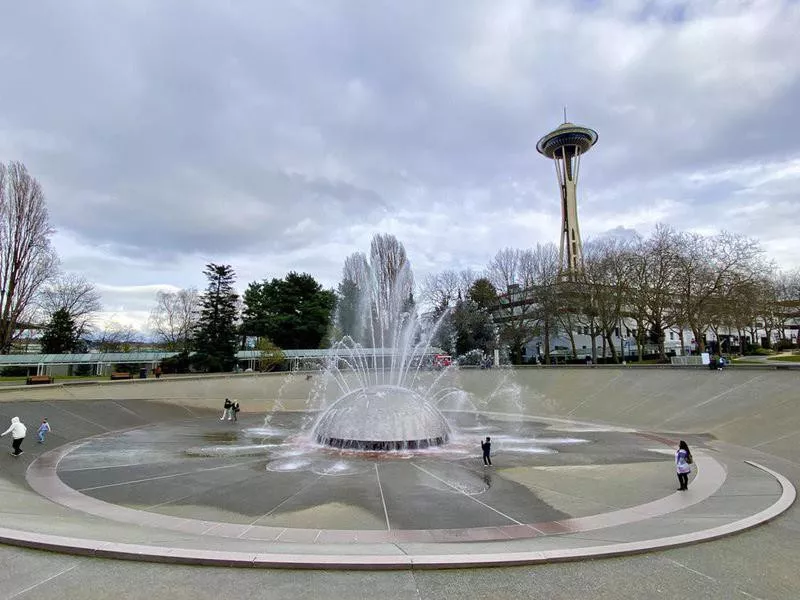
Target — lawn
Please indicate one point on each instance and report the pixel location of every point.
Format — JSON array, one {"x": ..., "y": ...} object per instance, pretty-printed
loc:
[
  {"x": 789, "y": 358},
  {"x": 56, "y": 378}
]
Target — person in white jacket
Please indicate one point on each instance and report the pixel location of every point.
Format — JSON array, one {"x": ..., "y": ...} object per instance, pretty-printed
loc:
[{"x": 17, "y": 431}]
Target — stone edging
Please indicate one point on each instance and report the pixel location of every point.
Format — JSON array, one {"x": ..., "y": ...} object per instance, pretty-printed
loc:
[
  {"x": 108, "y": 549},
  {"x": 42, "y": 476}
]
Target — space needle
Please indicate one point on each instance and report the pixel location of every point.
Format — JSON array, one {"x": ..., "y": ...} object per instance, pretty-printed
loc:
[{"x": 565, "y": 145}]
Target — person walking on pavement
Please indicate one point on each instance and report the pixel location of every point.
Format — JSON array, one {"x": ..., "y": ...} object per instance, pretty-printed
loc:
[
  {"x": 44, "y": 429},
  {"x": 683, "y": 465},
  {"x": 487, "y": 449},
  {"x": 17, "y": 430},
  {"x": 227, "y": 410},
  {"x": 235, "y": 411}
]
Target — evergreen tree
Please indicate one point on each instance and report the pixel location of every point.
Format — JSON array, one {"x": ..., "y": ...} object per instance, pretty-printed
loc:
[
  {"x": 60, "y": 334},
  {"x": 216, "y": 334},
  {"x": 294, "y": 312},
  {"x": 348, "y": 310}
]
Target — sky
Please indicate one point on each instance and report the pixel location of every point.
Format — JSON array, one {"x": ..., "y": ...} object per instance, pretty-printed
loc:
[{"x": 282, "y": 135}]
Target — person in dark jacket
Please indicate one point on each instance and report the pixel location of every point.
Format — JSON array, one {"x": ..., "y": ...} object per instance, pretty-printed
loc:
[
  {"x": 227, "y": 410},
  {"x": 487, "y": 449},
  {"x": 236, "y": 411}
]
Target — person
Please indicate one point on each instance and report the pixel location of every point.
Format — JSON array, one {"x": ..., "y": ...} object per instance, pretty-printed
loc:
[
  {"x": 487, "y": 449},
  {"x": 683, "y": 462},
  {"x": 17, "y": 430},
  {"x": 44, "y": 429},
  {"x": 236, "y": 411},
  {"x": 158, "y": 372},
  {"x": 227, "y": 410}
]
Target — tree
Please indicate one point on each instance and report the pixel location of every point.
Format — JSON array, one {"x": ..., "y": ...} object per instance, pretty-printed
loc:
[
  {"x": 659, "y": 279},
  {"x": 443, "y": 290},
  {"x": 60, "y": 335},
  {"x": 27, "y": 259},
  {"x": 707, "y": 270},
  {"x": 174, "y": 318},
  {"x": 352, "y": 297},
  {"x": 215, "y": 331},
  {"x": 603, "y": 286},
  {"x": 393, "y": 288},
  {"x": 294, "y": 312},
  {"x": 116, "y": 337},
  {"x": 531, "y": 298},
  {"x": 270, "y": 356},
  {"x": 76, "y": 296},
  {"x": 483, "y": 294}
]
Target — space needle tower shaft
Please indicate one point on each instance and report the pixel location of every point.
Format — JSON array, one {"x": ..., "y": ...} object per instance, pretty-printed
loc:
[{"x": 565, "y": 145}]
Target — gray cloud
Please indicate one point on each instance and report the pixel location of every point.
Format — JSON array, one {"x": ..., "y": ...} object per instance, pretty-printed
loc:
[{"x": 282, "y": 135}]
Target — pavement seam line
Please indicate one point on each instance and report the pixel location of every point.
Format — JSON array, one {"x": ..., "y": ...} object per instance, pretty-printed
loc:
[
  {"x": 383, "y": 500},
  {"x": 33, "y": 587},
  {"x": 133, "y": 481},
  {"x": 695, "y": 571},
  {"x": 277, "y": 506},
  {"x": 77, "y": 416},
  {"x": 473, "y": 498},
  {"x": 704, "y": 402}
]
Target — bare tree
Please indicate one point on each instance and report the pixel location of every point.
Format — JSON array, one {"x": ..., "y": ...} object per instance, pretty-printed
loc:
[
  {"x": 442, "y": 290},
  {"x": 75, "y": 295},
  {"x": 393, "y": 284},
  {"x": 27, "y": 259},
  {"x": 356, "y": 269},
  {"x": 174, "y": 318},
  {"x": 605, "y": 289},
  {"x": 527, "y": 283},
  {"x": 709, "y": 269},
  {"x": 115, "y": 337}
]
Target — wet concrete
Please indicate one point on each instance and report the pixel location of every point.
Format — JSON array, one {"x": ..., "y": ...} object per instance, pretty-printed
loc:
[
  {"x": 164, "y": 467},
  {"x": 735, "y": 411}
]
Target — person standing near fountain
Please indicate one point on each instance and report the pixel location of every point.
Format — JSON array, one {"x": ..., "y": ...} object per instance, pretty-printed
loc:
[
  {"x": 683, "y": 462},
  {"x": 227, "y": 410},
  {"x": 487, "y": 449}
]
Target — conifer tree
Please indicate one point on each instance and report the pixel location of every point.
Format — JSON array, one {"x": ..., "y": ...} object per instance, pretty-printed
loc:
[{"x": 216, "y": 336}]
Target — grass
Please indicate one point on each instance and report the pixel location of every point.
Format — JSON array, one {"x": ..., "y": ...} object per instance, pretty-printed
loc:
[
  {"x": 56, "y": 379},
  {"x": 789, "y": 358}
]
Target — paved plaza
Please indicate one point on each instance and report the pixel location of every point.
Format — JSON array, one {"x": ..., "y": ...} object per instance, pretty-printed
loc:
[{"x": 583, "y": 472}]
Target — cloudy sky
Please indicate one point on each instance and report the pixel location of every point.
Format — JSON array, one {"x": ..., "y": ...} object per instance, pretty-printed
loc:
[{"x": 281, "y": 135}]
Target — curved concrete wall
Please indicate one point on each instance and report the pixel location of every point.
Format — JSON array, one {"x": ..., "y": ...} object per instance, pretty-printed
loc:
[{"x": 755, "y": 408}]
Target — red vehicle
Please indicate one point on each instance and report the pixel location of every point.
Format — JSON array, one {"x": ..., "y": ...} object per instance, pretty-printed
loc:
[{"x": 442, "y": 361}]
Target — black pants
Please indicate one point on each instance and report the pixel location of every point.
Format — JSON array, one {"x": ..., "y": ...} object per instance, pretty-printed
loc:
[
  {"x": 487, "y": 460},
  {"x": 16, "y": 445},
  {"x": 683, "y": 480}
]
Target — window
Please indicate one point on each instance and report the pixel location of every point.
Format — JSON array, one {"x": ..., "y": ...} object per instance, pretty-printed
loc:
[{"x": 671, "y": 335}]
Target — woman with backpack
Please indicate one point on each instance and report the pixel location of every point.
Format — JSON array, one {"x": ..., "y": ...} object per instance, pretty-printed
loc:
[{"x": 683, "y": 462}]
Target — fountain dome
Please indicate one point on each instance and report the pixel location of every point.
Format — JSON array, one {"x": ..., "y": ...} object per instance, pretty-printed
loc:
[{"x": 382, "y": 417}]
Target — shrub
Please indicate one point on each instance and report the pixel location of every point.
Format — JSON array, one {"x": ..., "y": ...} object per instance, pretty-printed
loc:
[
  {"x": 15, "y": 371},
  {"x": 180, "y": 363}
]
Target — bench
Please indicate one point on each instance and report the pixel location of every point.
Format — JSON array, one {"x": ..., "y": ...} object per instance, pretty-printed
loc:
[
  {"x": 121, "y": 375},
  {"x": 38, "y": 379}
]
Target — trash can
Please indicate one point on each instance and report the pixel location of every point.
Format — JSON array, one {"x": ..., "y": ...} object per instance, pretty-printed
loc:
[{"x": 143, "y": 373}]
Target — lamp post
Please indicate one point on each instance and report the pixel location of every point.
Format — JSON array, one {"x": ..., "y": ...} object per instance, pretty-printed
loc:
[
  {"x": 621, "y": 342},
  {"x": 496, "y": 346}
]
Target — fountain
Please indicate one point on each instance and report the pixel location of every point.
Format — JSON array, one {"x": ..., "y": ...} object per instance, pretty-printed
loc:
[{"x": 382, "y": 400}]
